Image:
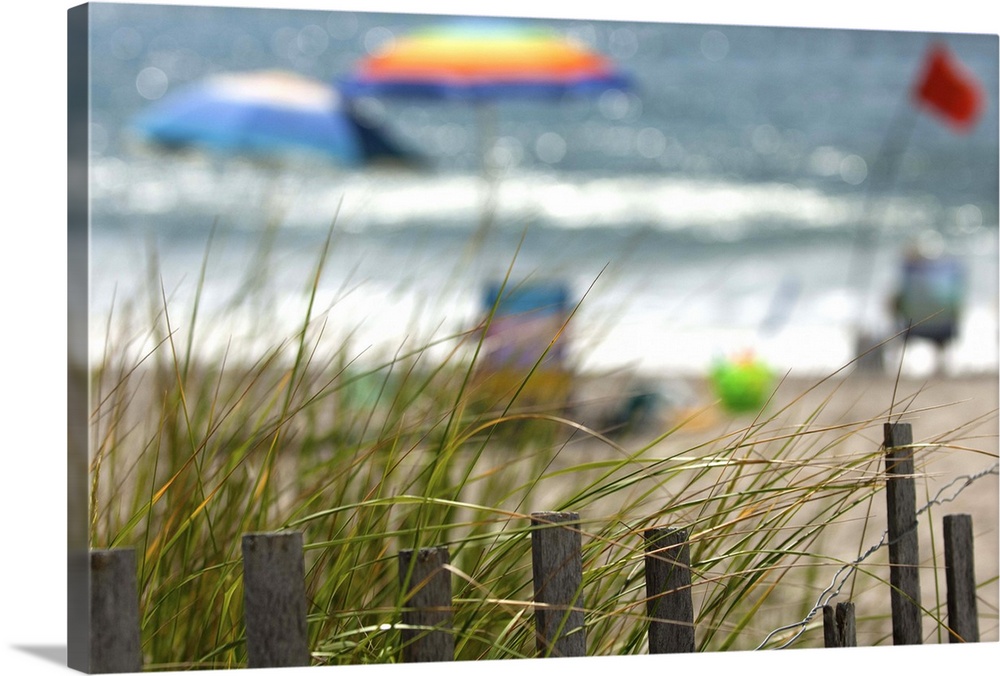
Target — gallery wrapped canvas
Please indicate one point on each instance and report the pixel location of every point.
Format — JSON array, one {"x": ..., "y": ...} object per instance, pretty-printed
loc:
[{"x": 400, "y": 338}]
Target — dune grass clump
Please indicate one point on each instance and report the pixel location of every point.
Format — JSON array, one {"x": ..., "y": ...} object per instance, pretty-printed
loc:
[{"x": 368, "y": 455}]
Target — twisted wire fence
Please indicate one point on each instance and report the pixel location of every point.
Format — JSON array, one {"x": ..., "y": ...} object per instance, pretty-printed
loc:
[{"x": 275, "y": 598}]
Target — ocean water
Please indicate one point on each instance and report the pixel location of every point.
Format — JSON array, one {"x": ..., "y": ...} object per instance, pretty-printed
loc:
[{"x": 735, "y": 198}]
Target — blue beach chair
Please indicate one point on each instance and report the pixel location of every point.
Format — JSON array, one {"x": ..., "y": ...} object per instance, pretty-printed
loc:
[{"x": 524, "y": 345}]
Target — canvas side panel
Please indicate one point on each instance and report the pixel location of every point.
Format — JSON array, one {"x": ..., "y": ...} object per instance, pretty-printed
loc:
[{"x": 78, "y": 132}]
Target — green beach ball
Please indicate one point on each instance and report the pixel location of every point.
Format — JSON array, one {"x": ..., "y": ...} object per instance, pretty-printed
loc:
[{"x": 742, "y": 384}]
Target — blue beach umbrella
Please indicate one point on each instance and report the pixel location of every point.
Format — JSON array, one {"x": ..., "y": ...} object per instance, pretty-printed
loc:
[{"x": 266, "y": 114}]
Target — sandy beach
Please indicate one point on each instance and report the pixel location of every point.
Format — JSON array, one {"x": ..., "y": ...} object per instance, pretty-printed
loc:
[
  {"x": 810, "y": 428},
  {"x": 954, "y": 426}
]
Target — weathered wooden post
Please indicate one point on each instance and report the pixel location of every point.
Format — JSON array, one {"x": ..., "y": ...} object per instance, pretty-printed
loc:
[
  {"x": 557, "y": 567},
  {"x": 114, "y": 612},
  {"x": 274, "y": 600},
  {"x": 960, "y": 574},
  {"x": 427, "y": 588},
  {"x": 668, "y": 591},
  {"x": 839, "y": 626},
  {"x": 904, "y": 555}
]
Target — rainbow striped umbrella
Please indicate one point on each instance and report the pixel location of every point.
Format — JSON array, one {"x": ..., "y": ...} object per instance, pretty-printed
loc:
[
  {"x": 264, "y": 114},
  {"x": 483, "y": 60}
]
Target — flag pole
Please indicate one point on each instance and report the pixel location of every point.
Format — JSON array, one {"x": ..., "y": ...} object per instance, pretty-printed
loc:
[
  {"x": 868, "y": 230},
  {"x": 867, "y": 233},
  {"x": 952, "y": 95}
]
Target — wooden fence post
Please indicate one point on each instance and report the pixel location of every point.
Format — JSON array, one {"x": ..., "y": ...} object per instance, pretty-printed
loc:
[
  {"x": 274, "y": 600},
  {"x": 961, "y": 576},
  {"x": 114, "y": 612},
  {"x": 904, "y": 558},
  {"x": 427, "y": 587},
  {"x": 557, "y": 567},
  {"x": 668, "y": 591},
  {"x": 839, "y": 627}
]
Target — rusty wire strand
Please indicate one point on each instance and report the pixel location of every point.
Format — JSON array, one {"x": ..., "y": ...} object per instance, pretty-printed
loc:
[{"x": 834, "y": 588}]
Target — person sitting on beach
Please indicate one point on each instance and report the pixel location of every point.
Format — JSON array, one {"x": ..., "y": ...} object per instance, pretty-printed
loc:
[{"x": 928, "y": 302}]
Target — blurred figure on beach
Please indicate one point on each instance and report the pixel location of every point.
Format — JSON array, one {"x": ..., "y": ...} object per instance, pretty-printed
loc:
[{"x": 928, "y": 303}]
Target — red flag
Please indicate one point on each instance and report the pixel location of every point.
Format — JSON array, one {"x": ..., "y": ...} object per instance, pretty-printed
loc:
[{"x": 948, "y": 90}]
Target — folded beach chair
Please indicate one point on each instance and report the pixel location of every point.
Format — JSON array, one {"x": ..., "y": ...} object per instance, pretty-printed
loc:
[{"x": 523, "y": 356}]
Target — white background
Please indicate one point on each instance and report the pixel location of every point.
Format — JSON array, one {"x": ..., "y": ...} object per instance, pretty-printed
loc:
[{"x": 33, "y": 349}]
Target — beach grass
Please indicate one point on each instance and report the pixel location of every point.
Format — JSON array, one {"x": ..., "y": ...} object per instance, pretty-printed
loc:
[{"x": 368, "y": 453}]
